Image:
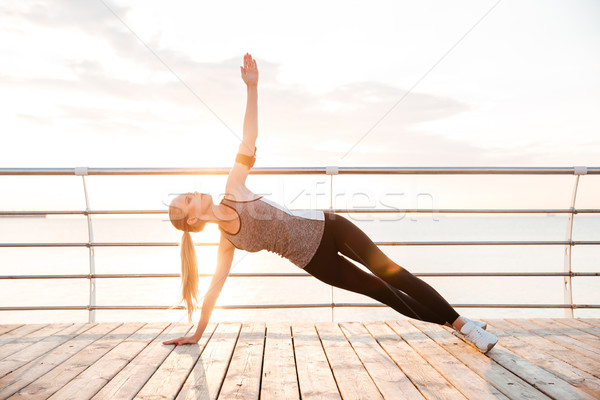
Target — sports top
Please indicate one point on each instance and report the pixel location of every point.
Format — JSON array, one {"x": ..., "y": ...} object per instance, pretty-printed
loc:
[{"x": 266, "y": 225}]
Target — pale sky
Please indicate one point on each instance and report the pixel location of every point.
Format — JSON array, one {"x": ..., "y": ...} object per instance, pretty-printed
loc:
[{"x": 522, "y": 88}]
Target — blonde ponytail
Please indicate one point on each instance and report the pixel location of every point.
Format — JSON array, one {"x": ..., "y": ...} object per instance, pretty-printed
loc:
[
  {"x": 189, "y": 274},
  {"x": 189, "y": 262}
]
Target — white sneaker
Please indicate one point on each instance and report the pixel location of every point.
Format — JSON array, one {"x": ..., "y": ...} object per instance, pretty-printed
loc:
[
  {"x": 481, "y": 339},
  {"x": 480, "y": 324}
]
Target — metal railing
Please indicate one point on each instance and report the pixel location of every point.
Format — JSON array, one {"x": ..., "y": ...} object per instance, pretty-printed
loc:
[{"x": 91, "y": 244}]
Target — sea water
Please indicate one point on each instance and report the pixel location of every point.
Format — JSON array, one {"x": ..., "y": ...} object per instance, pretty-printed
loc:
[{"x": 296, "y": 290}]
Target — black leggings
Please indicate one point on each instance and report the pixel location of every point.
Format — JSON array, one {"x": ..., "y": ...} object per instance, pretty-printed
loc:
[{"x": 391, "y": 285}]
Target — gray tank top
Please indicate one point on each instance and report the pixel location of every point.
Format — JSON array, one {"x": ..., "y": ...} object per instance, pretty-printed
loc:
[{"x": 266, "y": 225}]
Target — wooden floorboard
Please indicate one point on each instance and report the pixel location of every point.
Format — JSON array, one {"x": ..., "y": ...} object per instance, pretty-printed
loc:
[
  {"x": 563, "y": 370},
  {"x": 129, "y": 380},
  {"x": 430, "y": 382},
  {"x": 172, "y": 373},
  {"x": 391, "y": 380},
  {"x": 397, "y": 359},
  {"x": 458, "y": 374},
  {"x": 315, "y": 377},
  {"x": 205, "y": 380},
  {"x": 279, "y": 379},
  {"x": 511, "y": 385}
]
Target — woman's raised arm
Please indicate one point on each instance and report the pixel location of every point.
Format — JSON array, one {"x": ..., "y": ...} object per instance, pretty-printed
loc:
[
  {"x": 239, "y": 172},
  {"x": 250, "y": 76}
]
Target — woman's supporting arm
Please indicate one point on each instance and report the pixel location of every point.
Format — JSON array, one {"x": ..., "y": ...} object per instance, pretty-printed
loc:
[{"x": 224, "y": 260}]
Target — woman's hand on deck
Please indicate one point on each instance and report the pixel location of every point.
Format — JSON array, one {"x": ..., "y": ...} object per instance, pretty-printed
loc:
[
  {"x": 183, "y": 340},
  {"x": 249, "y": 71}
]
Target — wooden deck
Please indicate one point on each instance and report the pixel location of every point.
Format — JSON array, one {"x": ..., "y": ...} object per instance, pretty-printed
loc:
[{"x": 534, "y": 359}]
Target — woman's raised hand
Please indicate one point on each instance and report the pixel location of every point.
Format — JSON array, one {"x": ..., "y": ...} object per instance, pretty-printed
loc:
[{"x": 249, "y": 71}]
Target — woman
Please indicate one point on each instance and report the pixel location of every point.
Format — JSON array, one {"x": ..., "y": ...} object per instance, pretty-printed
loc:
[{"x": 311, "y": 240}]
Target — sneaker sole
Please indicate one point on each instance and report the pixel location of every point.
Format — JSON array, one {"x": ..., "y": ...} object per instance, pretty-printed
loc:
[{"x": 490, "y": 346}]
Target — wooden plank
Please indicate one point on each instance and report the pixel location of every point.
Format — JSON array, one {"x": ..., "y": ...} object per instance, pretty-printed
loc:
[
  {"x": 32, "y": 338},
  {"x": 51, "y": 382},
  {"x": 573, "y": 376},
  {"x": 243, "y": 376},
  {"x": 128, "y": 382},
  {"x": 315, "y": 377},
  {"x": 591, "y": 321},
  {"x": 555, "y": 335},
  {"x": 18, "y": 333},
  {"x": 205, "y": 380},
  {"x": 33, "y": 370},
  {"x": 389, "y": 378},
  {"x": 350, "y": 374},
  {"x": 571, "y": 331},
  {"x": 279, "y": 380},
  {"x": 429, "y": 381},
  {"x": 15, "y": 340},
  {"x": 582, "y": 326},
  {"x": 90, "y": 381},
  {"x": 538, "y": 377},
  {"x": 46, "y": 368},
  {"x": 505, "y": 381},
  {"x": 4, "y": 328},
  {"x": 554, "y": 349},
  {"x": 34, "y": 347},
  {"x": 172, "y": 373},
  {"x": 458, "y": 374}
]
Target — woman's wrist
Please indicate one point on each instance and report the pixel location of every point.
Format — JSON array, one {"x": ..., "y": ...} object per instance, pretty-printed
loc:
[{"x": 200, "y": 329}]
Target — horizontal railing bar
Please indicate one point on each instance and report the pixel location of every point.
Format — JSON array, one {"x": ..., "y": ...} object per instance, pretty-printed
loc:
[
  {"x": 272, "y": 306},
  {"x": 335, "y": 210},
  {"x": 291, "y": 275},
  {"x": 305, "y": 170},
  {"x": 430, "y": 243}
]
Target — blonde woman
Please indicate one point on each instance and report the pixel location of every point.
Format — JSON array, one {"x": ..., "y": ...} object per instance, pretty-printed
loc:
[{"x": 311, "y": 240}]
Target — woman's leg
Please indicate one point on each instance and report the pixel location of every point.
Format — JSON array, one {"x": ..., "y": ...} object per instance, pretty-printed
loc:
[
  {"x": 352, "y": 242},
  {"x": 337, "y": 271}
]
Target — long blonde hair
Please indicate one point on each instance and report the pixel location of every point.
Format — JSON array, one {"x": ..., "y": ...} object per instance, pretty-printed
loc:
[{"x": 189, "y": 262}]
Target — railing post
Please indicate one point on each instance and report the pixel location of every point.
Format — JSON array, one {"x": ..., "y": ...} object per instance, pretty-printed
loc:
[
  {"x": 331, "y": 171},
  {"x": 83, "y": 171},
  {"x": 568, "y": 282}
]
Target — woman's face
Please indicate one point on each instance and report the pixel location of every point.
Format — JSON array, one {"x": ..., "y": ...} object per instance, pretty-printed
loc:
[{"x": 195, "y": 205}]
